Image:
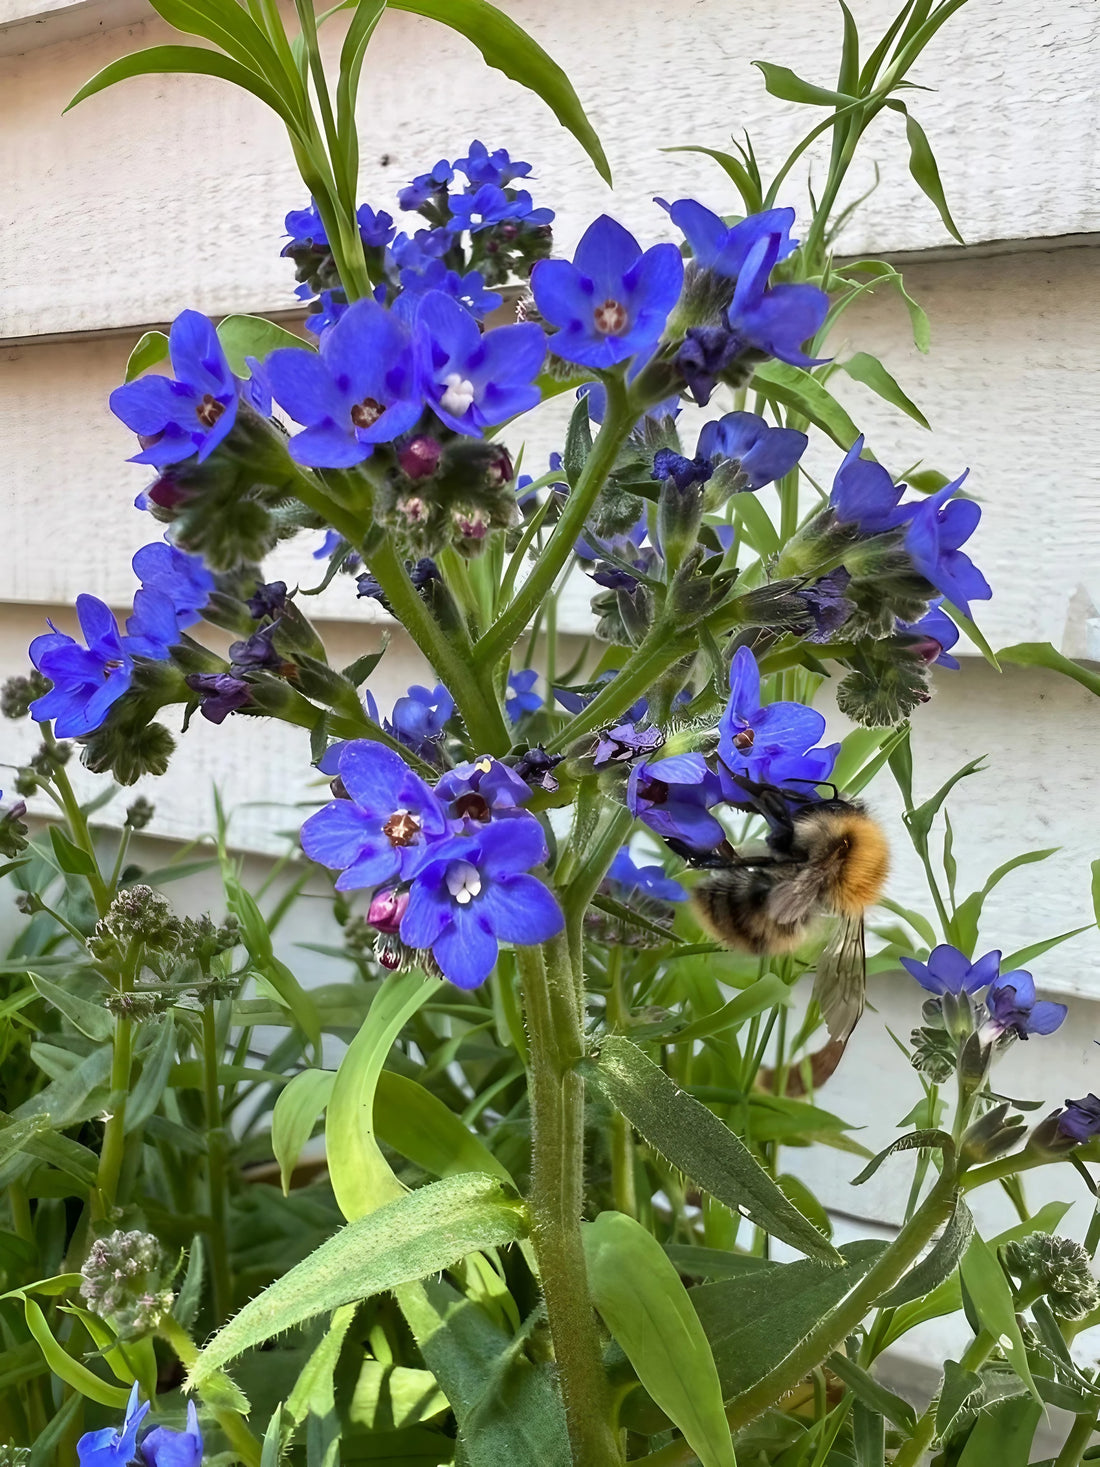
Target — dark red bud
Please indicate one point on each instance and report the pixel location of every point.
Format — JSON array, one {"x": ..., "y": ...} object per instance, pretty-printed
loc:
[{"x": 419, "y": 458}]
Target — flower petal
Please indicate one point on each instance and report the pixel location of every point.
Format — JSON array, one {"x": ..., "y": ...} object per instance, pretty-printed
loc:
[
  {"x": 519, "y": 909},
  {"x": 337, "y": 835},
  {"x": 465, "y": 951}
]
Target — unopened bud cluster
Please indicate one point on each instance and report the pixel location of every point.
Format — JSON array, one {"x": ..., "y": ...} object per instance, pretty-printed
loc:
[
  {"x": 1056, "y": 1269},
  {"x": 124, "y": 1282}
]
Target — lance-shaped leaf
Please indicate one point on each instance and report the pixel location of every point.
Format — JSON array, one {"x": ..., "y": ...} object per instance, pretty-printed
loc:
[
  {"x": 408, "y": 1239},
  {"x": 796, "y": 389},
  {"x": 861, "y": 366},
  {"x": 938, "y": 1264},
  {"x": 644, "y": 1304},
  {"x": 872, "y": 1393},
  {"x": 510, "y": 49},
  {"x": 985, "y": 1282},
  {"x": 693, "y": 1139},
  {"x": 914, "y": 1141}
]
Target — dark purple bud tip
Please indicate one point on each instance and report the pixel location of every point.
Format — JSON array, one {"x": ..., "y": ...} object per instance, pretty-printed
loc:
[
  {"x": 220, "y": 694},
  {"x": 419, "y": 458},
  {"x": 387, "y": 909}
]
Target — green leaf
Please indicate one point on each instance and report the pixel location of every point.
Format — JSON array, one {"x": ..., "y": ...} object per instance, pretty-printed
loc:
[
  {"x": 918, "y": 318},
  {"x": 509, "y": 1410},
  {"x": 509, "y": 48},
  {"x": 959, "y": 1389},
  {"x": 252, "y": 336},
  {"x": 1024, "y": 955},
  {"x": 417, "y": 1124},
  {"x": 781, "y": 82},
  {"x": 270, "y": 1452},
  {"x": 361, "y": 1176},
  {"x": 694, "y": 1140},
  {"x": 394, "y": 1396},
  {"x": 755, "y": 1321},
  {"x": 872, "y": 1393},
  {"x": 747, "y": 186},
  {"x": 71, "y": 1371},
  {"x": 938, "y": 1264},
  {"x": 985, "y": 1282},
  {"x": 766, "y": 993},
  {"x": 410, "y": 1238},
  {"x": 914, "y": 1141},
  {"x": 257, "y": 939},
  {"x": 192, "y": 60},
  {"x": 796, "y": 389},
  {"x": 363, "y": 23},
  {"x": 923, "y": 167},
  {"x": 713, "y": 1263},
  {"x": 756, "y": 526},
  {"x": 1042, "y": 654},
  {"x": 644, "y": 1304},
  {"x": 578, "y": 442},
  {"x": 862, "y": 367},
  {"x": 156, "y": 1066},
  {"x": 920, "y": 820},
  {"x": 920, "y": 924},
  {"x": 972, "y": 632},
  {"x": 70, "y": 857},
  {"x": 969, "y": 911},
  {"x": 150, "y": 351},
  {"x": 299, "y": 1104},
  {"x": 868, "y": 1436},
  {"x": 1003, "y": 1434},
  {"x": 91, "y": 1019}
]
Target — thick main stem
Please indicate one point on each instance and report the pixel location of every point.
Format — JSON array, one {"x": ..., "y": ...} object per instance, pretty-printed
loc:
[
  {"x": 557, "y": 1196},
  {"x": 215, "y": 1168}
]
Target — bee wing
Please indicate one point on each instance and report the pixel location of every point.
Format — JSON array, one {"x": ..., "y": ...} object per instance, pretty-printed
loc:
[
  {"x": 840, "y": 986},
  {"x": 797, "y": 897}
]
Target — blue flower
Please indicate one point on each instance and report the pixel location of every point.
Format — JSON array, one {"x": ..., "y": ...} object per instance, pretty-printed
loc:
[
  {"x": 333, "y": 305},
  {"x": 865, "y": 495},
  {"x": 937, "y": 634},
  {"x": 723, "y": 248},
  {"x": 183, "y": 578},
  {"x": 385, "y": 828},
  {"x": 474, "y": 380},
  {"x": 421, "y": 715},
  {"x": 779, "y": 320},
  {"x": 191, "y": 414},
  {"x": 480, "y": 166},
  {"x": 936, "y": 531},
  {"x": 108, "y": 1447},
  {"x": 468, "y": 290},
  {"x": 482, "y": 789},
  {"x": 674, "y": 796},
  {"x": 375, "y": 230},
  {"x": 950, "y": 971},
  {"x": 472, "y": 893},
  {"x": 490, "y": 205},
  {"x": 612, "y": 302},
  {"x": 761, "y": 453},
  {"x": 771, "y": 744},
  {"x": 1014, "y": 1009},
  {"x": 426, "y": 186},
  {"x": 166, "y": 1448},
  {"x": 306, "y": 230},
  {"x": 826, "y": 604},
  {"x": 624, "y": 545},
  {"x": 153, "y": 627},
  {"x": 628, "y": 880},
  {"x": 360, "y": 388},
  {"x": 86, "y": 681},
  {"x": 684, "y": 472},
  {"x": 524, "y": 699},
  {"x": 418, "y": 251},
  {"x": 1080, "y": 1120}
]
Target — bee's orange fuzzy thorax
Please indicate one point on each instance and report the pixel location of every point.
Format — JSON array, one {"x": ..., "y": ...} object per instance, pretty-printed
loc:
[{"x": 866, "y": 864}]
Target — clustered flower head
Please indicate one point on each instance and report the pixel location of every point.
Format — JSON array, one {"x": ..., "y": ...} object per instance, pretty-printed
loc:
[
  {"x": 161, "y": 1447},
  {"x": 448, "y": 865},
  {"x": 123, "y": 1282}
]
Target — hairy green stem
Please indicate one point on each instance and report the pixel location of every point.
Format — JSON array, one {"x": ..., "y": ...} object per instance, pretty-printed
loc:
[
  {"x": 1080, "y": 1434},
  {"x": 828, "y": 1333},
  {"x": 114, "y": 1133},
  {"x": 556, "y": 1200},
  {"x": 216, "y": 1150},
  {"x": 618, "y": 421},
  {"x": 78, "y": 829}
]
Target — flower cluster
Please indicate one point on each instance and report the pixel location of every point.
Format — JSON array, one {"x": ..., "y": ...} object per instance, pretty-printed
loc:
[
  {"x": 1011, "y": 1008},
  {"x": 86, "y": 680},
  {"x": 449, "y": 866},
  {"x": 160, "y": 1447},
  {"x": 123, "y": 1282}
]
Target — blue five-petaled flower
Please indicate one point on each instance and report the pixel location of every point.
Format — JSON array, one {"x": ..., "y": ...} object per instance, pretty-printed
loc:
[
  {"x": 611, "y": 303},
  {"x": 772, "y": 743},
  {"x": 160, "y": 1447}
]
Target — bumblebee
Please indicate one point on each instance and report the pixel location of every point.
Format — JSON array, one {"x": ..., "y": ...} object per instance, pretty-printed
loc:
[{"x": 825, "y": 857}]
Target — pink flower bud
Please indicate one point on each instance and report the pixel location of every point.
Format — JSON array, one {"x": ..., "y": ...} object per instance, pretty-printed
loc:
[
  {"x": 386, "y": 909},
  {"x": 419, "y": 458}
]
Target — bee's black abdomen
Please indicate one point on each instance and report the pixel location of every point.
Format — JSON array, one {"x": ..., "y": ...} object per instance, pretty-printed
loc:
[{"x": 733, "y": 907}]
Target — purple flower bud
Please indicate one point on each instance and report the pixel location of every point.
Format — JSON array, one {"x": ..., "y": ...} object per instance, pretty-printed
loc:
[
  {"x": 220, "y": 694},
  {"x": 386, "y": 909},
  {"x": 1080, "y": 1120},
  {"x": 419, "y": 458},
  {"x": 535, "y": 767},
  {"x": 267, "y": 600},
  {"x": 625, "y": 742}
]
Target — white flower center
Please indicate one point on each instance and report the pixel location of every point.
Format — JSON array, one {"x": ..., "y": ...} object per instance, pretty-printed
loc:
[
  {"x": 463, "y": 882},
  {"x": 459, "y": 395}
]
